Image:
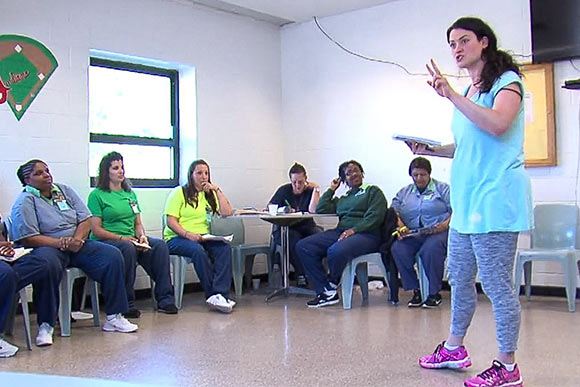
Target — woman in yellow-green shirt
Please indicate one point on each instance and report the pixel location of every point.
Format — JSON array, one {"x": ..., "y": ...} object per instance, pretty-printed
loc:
[{"x": 188, "y": 211}]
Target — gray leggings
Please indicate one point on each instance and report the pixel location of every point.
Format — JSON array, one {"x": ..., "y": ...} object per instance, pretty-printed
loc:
[{"x": 493, "y": 255}]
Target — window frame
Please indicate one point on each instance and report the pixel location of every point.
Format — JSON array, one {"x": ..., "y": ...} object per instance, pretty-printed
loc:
[{"x": 173, "y": 75}]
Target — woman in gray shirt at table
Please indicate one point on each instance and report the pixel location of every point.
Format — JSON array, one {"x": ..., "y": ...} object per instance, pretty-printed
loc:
[{"x": 423, "y": 206}]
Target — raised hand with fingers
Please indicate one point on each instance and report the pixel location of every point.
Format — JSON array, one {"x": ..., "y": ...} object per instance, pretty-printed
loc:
[{"x": 439, "y": 82}]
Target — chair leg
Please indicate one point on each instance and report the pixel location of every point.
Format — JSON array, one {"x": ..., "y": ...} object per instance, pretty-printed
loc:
[
  {"x": 65, "y": 304},
  {"x": 94, "y": 288},
  {"x": 178, "y": 278},
  {"x": 152, "y": 285},
  {"x": 518, "y": 274},
  {"x": 528, "y": 278},
  {"x": 249, "y": 269},
  {"x": 238, "y": 269},
  {"x": 362, "y": 275},
  {"x": 26, "y": 317},
  {"x": 570, "y": 276},
  {"x": 347, "y": 281},
  {"x": 423, "y": 280}
]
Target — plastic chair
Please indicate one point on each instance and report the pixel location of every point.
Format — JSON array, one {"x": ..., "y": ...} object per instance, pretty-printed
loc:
[
  {"x": 242, "y": 254},
  {"x": 423, "y": 279},
  {"x": 22, "y": 296},
  {"x": 66, "y": 285},
  {"x": 359, "y": 266},
  {"x": 554, "y": 238}
]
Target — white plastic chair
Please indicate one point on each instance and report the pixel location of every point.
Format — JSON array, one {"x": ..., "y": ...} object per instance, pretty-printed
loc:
[
  {"x": 64, "y": 311},
  {"x": 554, "y": 238},
  {"x": 359, "y": 267}
]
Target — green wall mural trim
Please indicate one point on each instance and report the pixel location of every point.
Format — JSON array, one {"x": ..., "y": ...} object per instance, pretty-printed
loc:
[{"x": 25, "y": 66}]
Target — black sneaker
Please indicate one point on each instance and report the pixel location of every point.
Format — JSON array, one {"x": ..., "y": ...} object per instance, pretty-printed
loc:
[
  {"x": 132, "y": 313},
  {"x": 301, "y": 281},
  {"x": 324, "y": 299},
  {"x": 432, "y": 301},
  {"x": 417, "y": 300},
  {"x": 168, "y": 309}
]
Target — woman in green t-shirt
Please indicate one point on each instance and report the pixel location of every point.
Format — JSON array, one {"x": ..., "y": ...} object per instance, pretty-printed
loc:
[
  {"x": 189, "y": 210},
  {"x": 117, "y": 221}
]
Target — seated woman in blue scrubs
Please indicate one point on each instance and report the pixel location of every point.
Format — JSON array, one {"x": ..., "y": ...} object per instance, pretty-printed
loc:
[
  {"x": 423, "y": 205},
  {"x": 53, "y": 218}
]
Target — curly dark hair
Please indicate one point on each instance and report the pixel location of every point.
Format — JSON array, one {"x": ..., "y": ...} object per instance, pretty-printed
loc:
[
  {"x": 343, "y": 166},
  {"x": 190, "y": 192},
  {"x": 496, "y": 61},
  {"x": 103, "y": 179}
]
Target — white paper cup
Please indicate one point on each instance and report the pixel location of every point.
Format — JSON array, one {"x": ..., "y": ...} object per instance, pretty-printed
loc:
[
  {"x": 273, "y": 209},
  {"x": 256, "y": 283}
]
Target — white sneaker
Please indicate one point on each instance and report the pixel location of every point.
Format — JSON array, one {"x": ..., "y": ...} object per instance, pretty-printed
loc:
[
  {"x": 119, "y": 324},
  {"x": 219, "y": 303},
  {"x": 7, "y": 349},
  {"x": 44, "y": 336}
]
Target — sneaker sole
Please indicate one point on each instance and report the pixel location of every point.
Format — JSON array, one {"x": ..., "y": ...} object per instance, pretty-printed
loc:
[
  {"x": 431, "y": 306},
  {"x": 223, "y": 309},
  {"x": 414, "y": 305},
  {"x": 328, "y": 303},
  {"x": 46, "y": 344},
  {"x": 517, "y": 383},
  {"x": 10, "y": 354},
  {"x": 448, "y": 364},
  {"x": 107, "y": 329}
]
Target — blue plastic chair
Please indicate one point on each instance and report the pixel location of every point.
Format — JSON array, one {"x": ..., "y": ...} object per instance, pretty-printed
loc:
[
  {"x": 554, "y": 238},
  {"x": 359, "y": 267},
  {"x": 242, "y": 254}
]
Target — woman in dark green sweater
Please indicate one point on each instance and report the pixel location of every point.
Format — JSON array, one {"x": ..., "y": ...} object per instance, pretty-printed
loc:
[{"x": 361, "y": 213}]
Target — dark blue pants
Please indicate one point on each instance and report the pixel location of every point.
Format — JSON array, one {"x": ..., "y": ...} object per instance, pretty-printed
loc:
[
  {"x": 156, "y": 264},
  {"x": 215, "y": 277},
  {"x": 44, "y": 273},
  {"x": 102, "y": 263},
  {"x": 312, "y": 249},
  {"x": 432, "y": 249},
  {"x": 294, "y": 235}
]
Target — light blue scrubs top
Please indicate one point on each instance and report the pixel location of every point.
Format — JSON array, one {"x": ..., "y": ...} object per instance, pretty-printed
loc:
[
  {"x": 423, "y": 209},
  {"x": 490, "y": 190}
]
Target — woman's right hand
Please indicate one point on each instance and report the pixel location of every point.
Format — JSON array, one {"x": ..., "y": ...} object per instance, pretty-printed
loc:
[
  {"x": 418, "y": 148},
  {"x": 334, "y": 184},
  {"x": 6, "y": 249}
]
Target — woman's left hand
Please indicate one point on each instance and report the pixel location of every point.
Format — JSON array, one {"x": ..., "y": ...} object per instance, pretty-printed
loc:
[
  {"x": 439, "y": 227},
  {"x": 6, "y": 249},
  {"x": 439, "y": 82},
  {"x": 346, "y": 233}
]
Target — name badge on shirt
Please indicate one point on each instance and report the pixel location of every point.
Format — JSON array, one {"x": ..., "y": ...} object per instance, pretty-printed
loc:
[
  {"x": 60, "y": 200},
  {"x": 134, "y": 207}
]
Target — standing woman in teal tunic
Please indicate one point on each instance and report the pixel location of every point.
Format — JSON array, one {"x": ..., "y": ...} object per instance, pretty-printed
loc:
[
  {"x": 490, "y": 196},
  {"x": 117, "y": 221}
]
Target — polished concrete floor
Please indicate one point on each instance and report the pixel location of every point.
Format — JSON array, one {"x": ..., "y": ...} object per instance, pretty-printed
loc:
[{"x": 283, "y": 343}]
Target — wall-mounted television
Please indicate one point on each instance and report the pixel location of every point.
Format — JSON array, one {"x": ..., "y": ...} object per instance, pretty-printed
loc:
[{"x": 555, "y": 29}]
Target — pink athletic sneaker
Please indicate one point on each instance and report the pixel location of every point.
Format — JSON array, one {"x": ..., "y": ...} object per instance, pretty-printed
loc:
[
  {"x": 496, "y": 376},
  {"x": 443, "y": 358}
]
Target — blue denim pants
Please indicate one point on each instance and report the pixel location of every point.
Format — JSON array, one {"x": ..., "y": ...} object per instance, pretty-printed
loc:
[{"x": 212, "y": 261}]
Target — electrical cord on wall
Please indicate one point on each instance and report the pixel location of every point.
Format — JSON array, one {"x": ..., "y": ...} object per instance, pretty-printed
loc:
[{"x": 351, "y": 52}]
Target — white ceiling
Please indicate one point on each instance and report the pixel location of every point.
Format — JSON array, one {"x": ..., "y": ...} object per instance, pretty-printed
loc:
[{"x": 281, "y": 12}]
